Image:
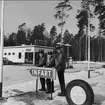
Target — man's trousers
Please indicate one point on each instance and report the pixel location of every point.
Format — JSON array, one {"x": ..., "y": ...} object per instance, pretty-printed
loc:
[{"x": 61, "y": 81}]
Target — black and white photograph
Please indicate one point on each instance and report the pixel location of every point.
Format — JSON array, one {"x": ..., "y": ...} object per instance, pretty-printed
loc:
[{"x": 52, "y": 52}]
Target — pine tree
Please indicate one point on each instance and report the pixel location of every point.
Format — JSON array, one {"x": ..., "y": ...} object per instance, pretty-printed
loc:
[
  {"x": 53, "y": 35},
  {"x": 61, "y": 13}
]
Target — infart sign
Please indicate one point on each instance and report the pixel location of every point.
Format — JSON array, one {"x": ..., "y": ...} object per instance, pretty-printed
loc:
[{"x": 43, "y": 72}]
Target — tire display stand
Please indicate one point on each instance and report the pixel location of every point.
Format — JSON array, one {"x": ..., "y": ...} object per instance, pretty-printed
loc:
[{"x": 79, "y": 92}]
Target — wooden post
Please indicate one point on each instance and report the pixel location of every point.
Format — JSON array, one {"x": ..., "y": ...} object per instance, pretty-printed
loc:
[
  {"x": 1, "y": 47},
  {"x": 37, "y": 84}
]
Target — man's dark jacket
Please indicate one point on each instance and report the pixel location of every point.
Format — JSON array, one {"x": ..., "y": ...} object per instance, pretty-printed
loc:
[
  {"x": 42, "y": 62},
  {"x": 60, "y": 62}
]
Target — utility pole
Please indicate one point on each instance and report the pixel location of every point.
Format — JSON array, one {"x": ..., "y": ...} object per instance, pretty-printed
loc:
[
  {"x": 1, "y": 46},
  {"x": 88, "y": 44},
  {"x": 88, "y": 40}
]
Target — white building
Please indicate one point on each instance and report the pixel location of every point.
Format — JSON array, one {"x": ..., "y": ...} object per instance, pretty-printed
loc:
[{"x": 24, "y": 53}]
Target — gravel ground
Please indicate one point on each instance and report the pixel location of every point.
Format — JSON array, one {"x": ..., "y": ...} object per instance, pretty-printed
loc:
[{"x": 25, "y": 94}]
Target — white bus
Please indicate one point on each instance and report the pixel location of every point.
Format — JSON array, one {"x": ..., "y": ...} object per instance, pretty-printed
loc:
[{"x": 25, "y": 53}]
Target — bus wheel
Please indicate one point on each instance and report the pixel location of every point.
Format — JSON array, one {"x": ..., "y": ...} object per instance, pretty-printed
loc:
[{"x": 79, "y": 92}]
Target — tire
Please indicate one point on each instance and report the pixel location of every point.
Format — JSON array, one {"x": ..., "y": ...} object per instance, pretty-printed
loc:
[{"x": 86, "y": 89}]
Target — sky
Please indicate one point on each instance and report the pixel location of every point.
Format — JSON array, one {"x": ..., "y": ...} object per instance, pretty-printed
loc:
[{"x": 36, "y": 12}]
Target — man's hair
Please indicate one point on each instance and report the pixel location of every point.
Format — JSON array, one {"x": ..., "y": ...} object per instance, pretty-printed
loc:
[
  {"x": 41, "y": 51},
  {"x": 50, "y": 52}
]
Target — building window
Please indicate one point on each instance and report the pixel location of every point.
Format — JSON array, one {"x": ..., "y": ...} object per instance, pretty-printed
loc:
[
  {"x": 5, "y": 53},
  {"x": 9, "y": 53},
  {"x": 13, "y": 53},
  {"x": 19, "y": 55}
]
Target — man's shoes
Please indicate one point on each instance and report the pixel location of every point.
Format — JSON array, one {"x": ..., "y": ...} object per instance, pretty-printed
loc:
[
  {"x": 42, "y": 89},
  {"x": 61, "y": 94}
]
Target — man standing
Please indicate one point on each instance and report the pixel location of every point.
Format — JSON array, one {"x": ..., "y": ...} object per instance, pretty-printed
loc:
[
  {"x": 42, "y": 62},
  {"x": 50, "y": 63},
  {"x": 60, "y": 67}
]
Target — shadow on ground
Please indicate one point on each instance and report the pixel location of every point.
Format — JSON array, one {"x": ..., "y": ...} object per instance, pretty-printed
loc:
[
  {"x": 2, "y": 100},
  {"x": 17, "y": 91},
  {"x": 59, "y": 102},
  {"x": 29, "y": 97}
]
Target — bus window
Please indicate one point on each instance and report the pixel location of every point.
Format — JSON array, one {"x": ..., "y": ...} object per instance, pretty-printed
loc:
[
  {"x": 19, "y": 56},
  {"x": 13, "y": 53}
]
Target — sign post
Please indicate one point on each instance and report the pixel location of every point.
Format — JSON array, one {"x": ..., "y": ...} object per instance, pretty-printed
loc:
[
  {"x": 44, "y": 73},
  {"x": 1, "y": 46}
]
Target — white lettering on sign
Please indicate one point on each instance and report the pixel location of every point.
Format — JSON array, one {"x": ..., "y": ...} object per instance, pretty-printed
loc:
[
  {"x": 35, "y": 72},
  {"x": 43, "y": 72},
  {"x": 38, "y": 72},
  {"x": 49, "y": 72}
]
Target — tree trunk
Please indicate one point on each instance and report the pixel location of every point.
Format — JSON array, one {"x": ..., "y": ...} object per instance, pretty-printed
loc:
[
  {"x": 104, "y": 49},
  {"x": 86, "y": 54},
  {"x": 93, "y": 51},
  {"x": 100, "y": 44},
  {"x": 79, "y": 50},
  {"x": 99, "y": 48},
  {"x": 86, "y": 49},
  {"x": 62, "y": 26}
]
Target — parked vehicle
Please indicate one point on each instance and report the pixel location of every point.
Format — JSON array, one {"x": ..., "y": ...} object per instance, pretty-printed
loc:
[{"x": 6, "y": 61}]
